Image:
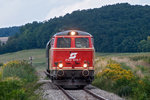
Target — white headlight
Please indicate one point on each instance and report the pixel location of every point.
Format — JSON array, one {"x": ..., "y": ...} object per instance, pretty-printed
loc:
[
  {"x": 60, "y": 65},
  {"x": 84, "y": 65},
  {"x": 73, "y": 33}
]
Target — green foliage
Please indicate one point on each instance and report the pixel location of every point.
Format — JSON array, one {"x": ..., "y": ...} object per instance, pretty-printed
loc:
[
  {"x": 123, "y": 82},
  {"x": 115, "y": 28},
  {"x": 123, "y": 87},
  {"x": 19, "y": 69},
  {"x": 141, "y": 89},
  {"x": 144, "y": 45},
  {"x": 124, "y": 66},
  {"x": 11, "y": 89},
  {"x": 17, "y": 81},
  {"x": 10, "y": 31},
  {"x": 1, "y": 64},
  {"x": 142, "y": 68}
]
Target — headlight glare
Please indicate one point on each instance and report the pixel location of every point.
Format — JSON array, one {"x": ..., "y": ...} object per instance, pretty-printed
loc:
[
  {"x": 84, "y": 65},
  {"x": 60, "y": 65}
]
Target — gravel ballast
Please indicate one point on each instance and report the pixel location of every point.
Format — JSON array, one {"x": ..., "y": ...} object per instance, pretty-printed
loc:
[{"x": 51, "y": 92}]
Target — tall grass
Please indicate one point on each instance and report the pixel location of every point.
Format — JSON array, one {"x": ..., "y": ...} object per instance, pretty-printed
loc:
[
  {"x": 22, "y": 70},
  {"x": 144, "y": 58}
]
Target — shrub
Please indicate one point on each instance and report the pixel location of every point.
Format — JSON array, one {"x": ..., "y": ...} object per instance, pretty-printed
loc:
[
  {"x": 1, "y": 64},
  {"x": 17, "y": 81},
  {"x": 115, "y": 78},
  {"x": 19, "y": 69},
  {"x": 115, "y": 72},
  {"x": 141, "y": 89},
  {"x": 11, "y": 89},
  {"x": 122, "y": 82}
]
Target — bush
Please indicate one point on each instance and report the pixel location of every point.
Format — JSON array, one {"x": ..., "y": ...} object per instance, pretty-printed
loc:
[
  {"x": 115, "y": 78},
  {"x": 19, "y": 69},
  {"x": 1, "y": 64},
  {"x": 11, "y": 89},
  {"x": 122, "y": 82},
  {"x": 17, "y": 81}
]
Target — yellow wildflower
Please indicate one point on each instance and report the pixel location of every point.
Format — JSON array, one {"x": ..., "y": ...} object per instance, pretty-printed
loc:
[{"x": 115, "y": 72}]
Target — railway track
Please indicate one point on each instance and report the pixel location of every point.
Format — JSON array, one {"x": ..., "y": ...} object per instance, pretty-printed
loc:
[
  {"x": 53, "y": 92},
  {"x": 95, "y": 95},
  {"x": 75, "y": 93},
  {"x": 71, "y": 97}
]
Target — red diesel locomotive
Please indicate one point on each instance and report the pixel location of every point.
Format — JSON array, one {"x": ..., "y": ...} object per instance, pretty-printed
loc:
[{"x": 70, "y": 58}]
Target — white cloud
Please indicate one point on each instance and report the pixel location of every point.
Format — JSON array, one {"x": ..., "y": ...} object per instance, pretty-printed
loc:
[
  {"x": 84, "y": 4},
  {"x": 144, "y": 2},
  {"x": 18, "y": 12}
]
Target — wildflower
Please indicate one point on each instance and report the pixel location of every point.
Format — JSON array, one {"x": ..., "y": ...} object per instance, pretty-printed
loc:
[{"x": 115, "y": 72}]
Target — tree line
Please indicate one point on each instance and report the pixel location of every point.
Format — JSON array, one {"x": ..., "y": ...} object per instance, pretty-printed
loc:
[
  {"x": 9, "y": 31},
  {"x": 115, "y": 28}
]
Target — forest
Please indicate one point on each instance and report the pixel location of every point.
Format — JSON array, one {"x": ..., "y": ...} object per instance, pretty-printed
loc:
[
  {"x": 10, "y": 31},
  {"x": 115, "y": 28}
]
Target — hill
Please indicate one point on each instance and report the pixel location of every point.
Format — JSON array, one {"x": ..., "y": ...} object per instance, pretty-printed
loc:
[
  {"x": 116, "y": 28},
  {"x": 10, "y": 31}
]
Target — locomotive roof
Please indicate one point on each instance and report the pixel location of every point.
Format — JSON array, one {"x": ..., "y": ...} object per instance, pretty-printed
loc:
[{"x": 79, "y": 33}]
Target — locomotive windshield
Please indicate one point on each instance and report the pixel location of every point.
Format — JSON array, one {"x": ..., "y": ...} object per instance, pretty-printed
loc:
[
  {"x": 63, "y": 42},
  {"x": 82, "y": 43}
]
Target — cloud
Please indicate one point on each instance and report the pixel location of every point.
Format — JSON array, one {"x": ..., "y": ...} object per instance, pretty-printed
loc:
[
  {"x": 144, "y": 2},
  {"x": 83, "y": 4},
  {"x": 18, "y": 12}
]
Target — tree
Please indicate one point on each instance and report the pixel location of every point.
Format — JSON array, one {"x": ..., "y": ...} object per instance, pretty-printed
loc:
[{"x": 144, "y": 45}]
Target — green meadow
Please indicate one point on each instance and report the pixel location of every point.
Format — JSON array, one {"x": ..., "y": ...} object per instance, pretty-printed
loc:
[{"x": 38, "y": 55}]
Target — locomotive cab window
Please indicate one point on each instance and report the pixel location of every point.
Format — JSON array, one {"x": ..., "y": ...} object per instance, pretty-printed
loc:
[
  {"x": 63, "y": 42},
  {"x": 82, "y": 43}
]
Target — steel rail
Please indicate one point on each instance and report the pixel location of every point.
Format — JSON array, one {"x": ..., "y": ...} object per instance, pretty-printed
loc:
[
  {"x": 86, "y": 90},
  {"x": 66, "y": 93},
  {"x": 94, "y": 95}
]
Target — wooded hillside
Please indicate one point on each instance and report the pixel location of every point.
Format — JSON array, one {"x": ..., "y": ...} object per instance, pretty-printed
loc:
[
  {"x": 10, "y": 31},
  {"x": 116, "y": 28}
]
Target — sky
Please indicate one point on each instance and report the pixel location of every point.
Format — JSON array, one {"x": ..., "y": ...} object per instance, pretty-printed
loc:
[{"x": 20, "y": 12}]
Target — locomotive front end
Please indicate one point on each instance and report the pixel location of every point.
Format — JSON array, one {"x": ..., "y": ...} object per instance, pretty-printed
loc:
[{"x": 71, "y": 58}]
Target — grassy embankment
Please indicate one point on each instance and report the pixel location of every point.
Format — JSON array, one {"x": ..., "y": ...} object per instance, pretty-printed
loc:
[
  {"x": 18, "y": 78},
  {"x": 126, "y": 74},
  {"x": 39, "y": 59}
]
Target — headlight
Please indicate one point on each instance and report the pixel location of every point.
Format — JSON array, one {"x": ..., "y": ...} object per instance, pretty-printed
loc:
[
  {"x": 73, "y": 33},
  {"x": 60, "y": 65},
  {"x": 84, "y": 65}
]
